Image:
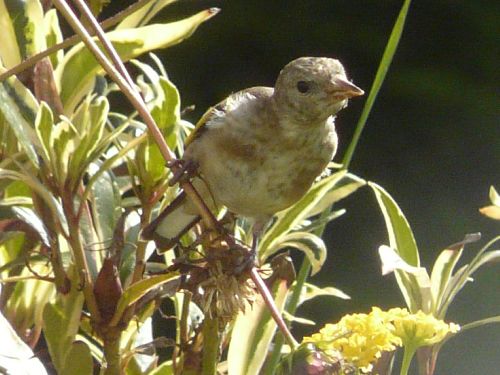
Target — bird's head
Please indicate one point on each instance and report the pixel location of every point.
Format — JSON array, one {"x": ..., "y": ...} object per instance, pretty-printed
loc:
[{"x": 311, "y": 89}]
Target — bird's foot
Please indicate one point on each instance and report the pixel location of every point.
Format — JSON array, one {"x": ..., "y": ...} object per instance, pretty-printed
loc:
[{"x": 182, "y": 170}]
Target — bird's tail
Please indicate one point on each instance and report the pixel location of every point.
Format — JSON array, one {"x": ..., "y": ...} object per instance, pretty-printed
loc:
[{"x": 171, "y": 224}]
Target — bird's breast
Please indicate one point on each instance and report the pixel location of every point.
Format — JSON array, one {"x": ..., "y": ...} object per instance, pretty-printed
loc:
[{"x": 254, "y": 175}]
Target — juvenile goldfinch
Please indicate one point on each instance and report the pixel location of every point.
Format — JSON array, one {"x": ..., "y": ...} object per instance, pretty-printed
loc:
[{"x": 259, "y": 151}]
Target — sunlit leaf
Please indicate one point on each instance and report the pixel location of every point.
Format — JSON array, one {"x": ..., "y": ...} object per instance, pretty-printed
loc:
[
  {"x": 444, "y": 266},
  {"x": 464, "y": 275},
  {"x": 139, "y": 289},
  {"x": 310, "y": 244},
  {"x": 143, "y": 15},
  {"x": 19, "y": 108},
  {"x": 78, "y": 360},
  {"x": 401, "y": 239},
  {"x": 30, "y": 218},
  {"x": 44, "y": 123},
  {"x": 291, "y": 217},
  {"x": 311, "y": 291},
  {"x": 16, "y": 356},
  {"x": 53, "y": 35},
  {"x": 253, "y": 331},
  {"x": 22, "y": 30},
  {"x": 75, "y": 74},
  {"x": 61, "y": 321}
]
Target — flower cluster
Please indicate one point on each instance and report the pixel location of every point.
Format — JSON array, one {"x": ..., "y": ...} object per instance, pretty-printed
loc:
[{"x": 361, "y": 338}]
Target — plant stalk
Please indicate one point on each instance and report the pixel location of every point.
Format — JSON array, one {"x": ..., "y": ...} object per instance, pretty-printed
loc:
[
  {"x": 211, "y": 343},
  {"x": 268, "y": 299},
  {"x": 68, "y": 42},
  {"x": 112, "y": 355},
  {"x": 136, "y": 100}
]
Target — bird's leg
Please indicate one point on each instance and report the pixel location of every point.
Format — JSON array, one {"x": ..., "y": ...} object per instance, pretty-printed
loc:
[
  {"x": 183, "y": 170},
  {"x": 249, "y": 262}
]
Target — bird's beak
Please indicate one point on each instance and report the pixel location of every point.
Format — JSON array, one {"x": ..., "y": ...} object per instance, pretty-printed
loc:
[{"x": 342, "y": 88}]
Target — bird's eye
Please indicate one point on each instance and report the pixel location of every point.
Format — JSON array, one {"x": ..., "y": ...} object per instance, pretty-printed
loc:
[{"x": 303, "y": 87}]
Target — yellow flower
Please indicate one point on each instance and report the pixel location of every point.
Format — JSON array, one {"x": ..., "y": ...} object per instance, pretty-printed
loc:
[
  {"x": 420, "y": 329},
  {"x": 361, "y": 338}
]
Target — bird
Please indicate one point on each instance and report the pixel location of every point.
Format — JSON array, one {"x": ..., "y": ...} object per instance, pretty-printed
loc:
[{"x": 260, "y": 150}]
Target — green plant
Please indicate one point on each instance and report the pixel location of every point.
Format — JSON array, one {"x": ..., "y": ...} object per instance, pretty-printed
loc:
[{"x": 80, "y": 180}]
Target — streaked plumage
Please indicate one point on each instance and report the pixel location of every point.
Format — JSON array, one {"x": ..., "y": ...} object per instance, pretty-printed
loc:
[{"x": 260, "y": 150}]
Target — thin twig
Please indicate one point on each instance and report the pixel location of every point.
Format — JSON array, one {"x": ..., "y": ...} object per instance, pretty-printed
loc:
[
  {"x": 268, "y": 299},
  {"x": 136, "y": 100},
  {"x": 68, "y": 42}
]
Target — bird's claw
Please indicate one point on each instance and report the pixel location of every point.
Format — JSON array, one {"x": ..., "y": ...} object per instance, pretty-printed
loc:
[{"x": 182, "y": 170}]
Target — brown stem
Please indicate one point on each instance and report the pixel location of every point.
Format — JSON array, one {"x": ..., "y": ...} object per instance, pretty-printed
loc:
[
  {"x": 135, "y": 98},
  {"x": 80, "y": 259},
  {"x": 268, "y": 299},
  {"x": 112, "y": 353},
  {"x": 140, "y": 254}
]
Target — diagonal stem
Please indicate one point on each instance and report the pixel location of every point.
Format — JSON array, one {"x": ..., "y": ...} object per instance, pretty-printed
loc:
[
  {"x": 135, "y": 98},
  {"x": 68, "y": 42}
]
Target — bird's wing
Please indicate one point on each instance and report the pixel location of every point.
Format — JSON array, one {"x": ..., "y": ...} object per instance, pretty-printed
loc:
[{"x": 228, "y": 104}]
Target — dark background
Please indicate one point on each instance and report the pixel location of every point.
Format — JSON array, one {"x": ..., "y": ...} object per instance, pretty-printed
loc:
[{"x": 432, "y": 139}]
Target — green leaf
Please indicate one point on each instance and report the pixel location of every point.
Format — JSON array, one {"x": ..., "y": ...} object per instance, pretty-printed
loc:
[
  {"x": 137, "y": 290},
  {"x": 444, "y": 266},
  {"x": 165, "y": 368},
  {"x": 345, "y": 187},
  {"x": 311, "y": 291},
  {"x": 143, "y": 15},
  {"x": 61, "y": 321},
  {"x": 44, "y": 123},
  {"x": 253, "y": 331},
  {"x": 464, "y": 274},
  {"x": 19, "y": 108},
  {"x": 400, "y": 234},
  {"x": 106, "y": 206},
  {"x": 75, "y": 74},
  {"x": 16, "y": 356},
  {"x": 22, "y": 30},
  {"x": 290, "y": 218},
  {"x": 310, "y": 244},
  {"x": 415, "y": 279},
  {"x": 78, "y": 360},
  {"x": 90, "y": 122},
  {"x": 63, "y": 142},
  {"x": 401, "y": 239},
  {"x": 29, "y": 217},
  {"x": 53, "y": 36},
  {"x": 54, "y": 206}
]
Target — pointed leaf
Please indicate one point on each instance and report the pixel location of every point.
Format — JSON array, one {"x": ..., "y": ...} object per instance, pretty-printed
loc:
[
  {"x": 400, "y": 234},
  {"x": 253, "y": 331},
  {"x": 78, "y": 360},
  {"x": 291, "y": 217},
  {"x": 22, "y": 30},
  {"x": 312, "y": 291},
  {"x": 61, "y": 321},
  {"x": 137, "y": 290},
  {"x": 19, "y": 108},
  {"x": 53, "y": 35},
  {"x": 312, "y": 246},
  {"x": 143, "y": 15},
  {"x": 44, "y": 123},
  {"x": 494, "y": 196},
  {"x": 444, "y": 266},
  {"x": 414, "y": 282},
  {"x": 75, "y": 74},
  {"x": 29, "y": 217}
]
